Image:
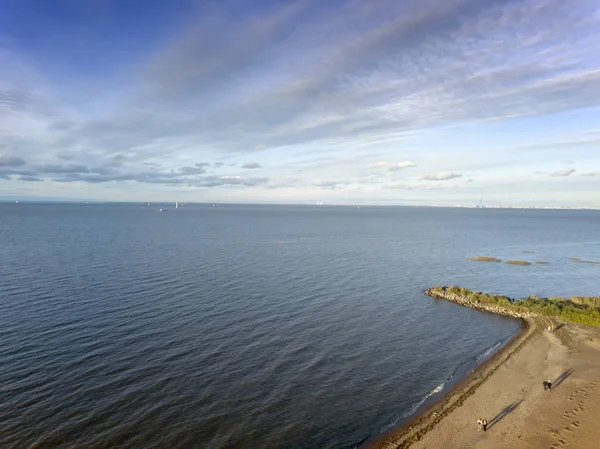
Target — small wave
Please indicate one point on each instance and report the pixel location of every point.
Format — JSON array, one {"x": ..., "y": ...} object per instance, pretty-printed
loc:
[
  {"x": 489, "y": 351},
  {"x": 411, "y": 411},
  {"x": 485, "y": 354},
  {"x": 437, "y": 389}
]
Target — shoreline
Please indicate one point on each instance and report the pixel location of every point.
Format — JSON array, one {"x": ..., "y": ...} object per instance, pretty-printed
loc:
[
  {"x": 418, "y": 425},
  {"x": 514, "y": 373}
]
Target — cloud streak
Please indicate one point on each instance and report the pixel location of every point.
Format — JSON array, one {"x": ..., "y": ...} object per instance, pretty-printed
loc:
[
  {"x": 306, "y": 84},
  {"x": 11, "y": 161},
  {"x": 30, "y": 178},
  {"x": 377, "y": 164},
  {"x": 251, "y": 165},
  {"x": 401, "y": 166},
  {"x": 441, "y": 176},
  {"x": 563, "y": 173}
]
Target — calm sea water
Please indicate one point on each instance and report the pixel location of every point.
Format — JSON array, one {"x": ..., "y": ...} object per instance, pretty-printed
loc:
[{"x": 124, "y": 327}]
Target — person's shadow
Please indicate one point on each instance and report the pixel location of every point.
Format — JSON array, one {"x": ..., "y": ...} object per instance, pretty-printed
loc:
[
  {"x": 500, "y": 416},
  {"x": 560, "y": 379}
]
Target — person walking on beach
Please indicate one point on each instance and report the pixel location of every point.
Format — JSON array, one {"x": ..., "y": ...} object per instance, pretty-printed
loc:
[
  {"x": 484, "y": 424},
  {"x": 549, "y": 384},
  {"x": 479, "y": 425},
  {"x": 545, "y": 384}
]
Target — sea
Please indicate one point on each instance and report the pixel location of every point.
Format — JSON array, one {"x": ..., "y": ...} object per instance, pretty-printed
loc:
[{"x": 256, "y": 326}]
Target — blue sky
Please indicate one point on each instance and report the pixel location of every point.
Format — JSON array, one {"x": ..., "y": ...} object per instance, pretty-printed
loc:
[{"x": 364, "y": 102}]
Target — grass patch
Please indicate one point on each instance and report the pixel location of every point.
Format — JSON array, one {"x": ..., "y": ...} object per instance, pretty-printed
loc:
[
  {"x": 485, "y": 259},
  {"x": 578, "y": 260},
  {"x": 590, "y": 301},
  {"x": 541, "y": 262},
  {"x": 577, "y": 309},
  {"x": 518, "y": 262}
]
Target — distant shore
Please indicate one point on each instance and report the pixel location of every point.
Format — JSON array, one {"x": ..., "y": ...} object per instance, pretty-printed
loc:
[{"x": 507, "y": 391}]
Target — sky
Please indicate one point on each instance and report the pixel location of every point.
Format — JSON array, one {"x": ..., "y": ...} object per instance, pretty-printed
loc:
[{"x": 439, "y": 102}]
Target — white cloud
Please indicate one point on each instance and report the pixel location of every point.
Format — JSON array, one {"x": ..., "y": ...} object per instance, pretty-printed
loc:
[
  {"x": 251, "y": 165},
  {"x": 11, "y": 161},
  {"x": 328, "y": 184},
  {"x": 378, "y": 164},
  {"x": 402, "y": 166},
  {"x": 352, "y": 80},
  {"x": 440, "y": 176},
  {"x": 563, "y": 173}
]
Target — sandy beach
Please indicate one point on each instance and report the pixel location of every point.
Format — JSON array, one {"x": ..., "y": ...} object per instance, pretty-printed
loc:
[{"x": 508, "y": 392}]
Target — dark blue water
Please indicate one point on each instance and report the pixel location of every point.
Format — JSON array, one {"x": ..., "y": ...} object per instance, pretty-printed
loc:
[{"x": 124, "y": 327}]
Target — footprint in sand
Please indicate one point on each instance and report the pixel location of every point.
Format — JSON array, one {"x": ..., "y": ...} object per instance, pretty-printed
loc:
[
  {"x": 580, "y": 395},
  {"x": 574, "y": 424},
  {"x": 571, "y": 414}
]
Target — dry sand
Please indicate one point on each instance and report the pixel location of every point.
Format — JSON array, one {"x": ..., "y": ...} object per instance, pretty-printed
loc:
[{"x": 508, "y": 392}]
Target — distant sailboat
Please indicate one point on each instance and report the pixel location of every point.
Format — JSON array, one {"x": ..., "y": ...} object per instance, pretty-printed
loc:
[{"x": 176, "y": 205}]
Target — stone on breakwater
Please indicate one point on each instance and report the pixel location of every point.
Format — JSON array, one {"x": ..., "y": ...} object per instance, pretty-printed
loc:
[{"x": 466, "y": 301}]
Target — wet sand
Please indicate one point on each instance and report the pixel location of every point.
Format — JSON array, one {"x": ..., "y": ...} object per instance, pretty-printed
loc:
[{"x": 508, "y": 392}]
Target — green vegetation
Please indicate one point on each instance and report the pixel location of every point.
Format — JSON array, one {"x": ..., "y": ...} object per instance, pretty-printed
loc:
[
  {"x": 578, "y": 260},
  {"x": 590, "y": 301},
  {"x": 541, "y": 262},
  {"x": 577, "y": 309},
  {"x": 518, "y": 262},
  {"x": 485, "y": 259}
]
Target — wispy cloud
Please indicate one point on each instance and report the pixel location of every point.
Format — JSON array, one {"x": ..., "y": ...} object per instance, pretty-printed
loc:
[
  {"x": 420, "y": 186},
  {"x": 563, "y": 173},
  {"x": 378, "y": 164},
  {"x": 401, "y": 166},
  {"x": 441, "y": 176},
  {"x": 11, "y": 161},
  {"x": 328, "y": 184},
  {"x": 294, "y": 80},
  {"x": 197, "y": 169},
  {"x": 574, "y": 142},
  {"x": 286, "y": 183},
  {"x": 30, "y": 178},
  {"x": 251, "y": 165}
]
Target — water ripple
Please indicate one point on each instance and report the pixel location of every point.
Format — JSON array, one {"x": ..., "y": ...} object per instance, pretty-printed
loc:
[{"x": 125, "y": 328}]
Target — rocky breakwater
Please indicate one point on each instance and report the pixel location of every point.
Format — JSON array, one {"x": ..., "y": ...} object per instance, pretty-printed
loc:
[{"x": 471, "y": 300}]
